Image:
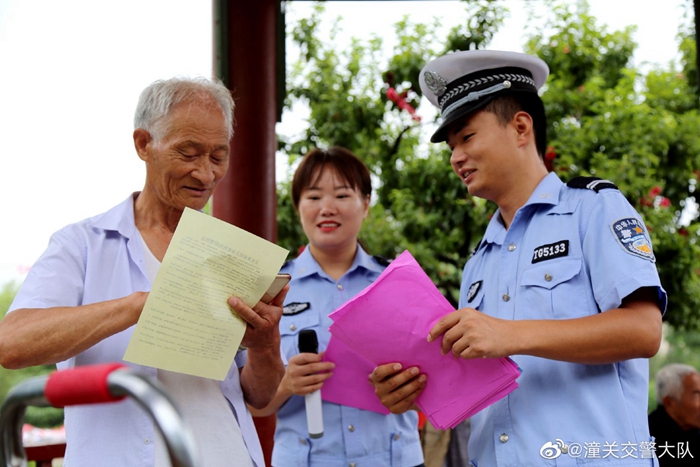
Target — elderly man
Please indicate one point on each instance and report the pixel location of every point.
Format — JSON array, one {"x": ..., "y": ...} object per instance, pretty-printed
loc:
[
  {"x": 564, "y": 282},
  {"x": 82, "y": 298},
  {"x": 676, "y": 421}
]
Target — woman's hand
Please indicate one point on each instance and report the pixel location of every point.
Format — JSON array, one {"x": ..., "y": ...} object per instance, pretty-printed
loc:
[
  {"x": 397, "y": 388},
  {"x": 306, "y": 373}
]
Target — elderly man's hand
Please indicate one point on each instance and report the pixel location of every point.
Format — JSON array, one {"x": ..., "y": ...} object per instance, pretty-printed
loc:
[
  {"x": 263, "y": 321},
  {"x": 396, "y": 388}
]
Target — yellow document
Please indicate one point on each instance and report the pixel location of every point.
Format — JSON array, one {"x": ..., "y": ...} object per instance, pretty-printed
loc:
[{"x": 186, "y": 325}]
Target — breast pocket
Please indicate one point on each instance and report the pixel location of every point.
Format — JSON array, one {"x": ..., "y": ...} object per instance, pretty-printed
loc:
[
  {"x": 291, "y": 326},
  {"x": 552, "y": 290}
]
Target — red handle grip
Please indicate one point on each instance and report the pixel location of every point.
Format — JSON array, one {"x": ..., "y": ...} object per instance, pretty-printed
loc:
[{"x": 81, "y": 385}]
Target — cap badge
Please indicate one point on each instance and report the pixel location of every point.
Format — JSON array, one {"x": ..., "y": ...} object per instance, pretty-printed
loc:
[{"x": 435, "y": 83}]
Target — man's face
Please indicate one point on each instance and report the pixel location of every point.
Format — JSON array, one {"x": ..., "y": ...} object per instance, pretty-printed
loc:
[
  {"x": 686, "y": 412},
  {"x": 184, "y": 167},
  {"x": 482, "y": 157}
]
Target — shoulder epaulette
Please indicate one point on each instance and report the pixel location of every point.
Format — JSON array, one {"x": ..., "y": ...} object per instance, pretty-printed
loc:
[
  {"x": 382, "y": 260},
  {"x": 591, "y": 183},
  {"x": 478, "y": 245}
]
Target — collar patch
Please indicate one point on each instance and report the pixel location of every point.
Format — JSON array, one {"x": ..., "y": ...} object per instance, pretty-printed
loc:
[
  {"x": 632, "y": 237},
  {"x": 295, "y": 308},
  {"x": 473, "y": 290},
  {"x": 550, "y": 251}
]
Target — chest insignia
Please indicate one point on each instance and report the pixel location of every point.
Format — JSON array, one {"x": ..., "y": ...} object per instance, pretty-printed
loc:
[
  {"x": 473, "y": 290},
  {"x": 632, "y": 237},
  {"x": 550, "y": 251},
  {"x": 295, "y": 308}
]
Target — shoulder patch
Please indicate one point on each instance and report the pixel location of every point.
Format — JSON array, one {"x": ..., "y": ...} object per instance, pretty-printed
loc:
[
  {"x": 382, "y": 260},
  {"x": 295, "y": 308},
  {"x": 591, "y": 183},
  {"x": 632, "y": 237}
]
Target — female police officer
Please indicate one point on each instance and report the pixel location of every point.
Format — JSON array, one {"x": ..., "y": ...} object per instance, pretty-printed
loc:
[{"x": 331, "y": 191}]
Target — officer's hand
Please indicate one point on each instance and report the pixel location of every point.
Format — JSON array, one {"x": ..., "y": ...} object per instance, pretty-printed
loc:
[
  {"x": 468, "y": 333},
  {"x": 397, "y": 389}
]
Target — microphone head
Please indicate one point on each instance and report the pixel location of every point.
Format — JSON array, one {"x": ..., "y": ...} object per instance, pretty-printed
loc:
[{"x": 308, "y": 341}]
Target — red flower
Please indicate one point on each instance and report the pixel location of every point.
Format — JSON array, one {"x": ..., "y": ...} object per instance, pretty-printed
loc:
[
  {"x": 549, "y": 157},
  {"x": 550, "y": 154},
  {"x": 400, "y": 101},
  {"x": 655, "y": 191},
  {"x": 665, "y": 202}
]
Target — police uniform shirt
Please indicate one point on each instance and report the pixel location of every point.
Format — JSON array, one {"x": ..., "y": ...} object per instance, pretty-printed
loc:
[
  {"x": 569, "y": 253},
  {"x": 351, "y": 437}
]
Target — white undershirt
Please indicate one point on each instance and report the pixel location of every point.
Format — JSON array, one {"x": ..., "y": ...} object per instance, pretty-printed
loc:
[{"x": 204, "y": 407}]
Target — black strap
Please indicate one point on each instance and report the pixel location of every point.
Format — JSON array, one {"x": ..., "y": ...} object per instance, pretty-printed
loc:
[
  {"x": 382, "y": 260},
  {"x": 478, "y": 246},
  {"x": 591, "y": 183}
]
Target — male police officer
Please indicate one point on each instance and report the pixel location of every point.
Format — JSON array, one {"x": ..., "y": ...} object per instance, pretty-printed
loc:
[{"x": 564, "y": 281}]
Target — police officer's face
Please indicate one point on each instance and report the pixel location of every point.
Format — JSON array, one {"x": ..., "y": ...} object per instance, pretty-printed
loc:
[
  {"x": 186, "y": 164},
  {"x": 483, "y": 155},
  {"x": 332, "y": 211}
]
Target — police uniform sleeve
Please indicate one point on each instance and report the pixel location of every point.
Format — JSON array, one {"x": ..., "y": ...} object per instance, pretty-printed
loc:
[{"x": 617, "y": 250}]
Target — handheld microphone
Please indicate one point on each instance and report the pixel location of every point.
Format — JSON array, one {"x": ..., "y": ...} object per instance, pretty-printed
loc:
[{"x": 308, "y": 343}]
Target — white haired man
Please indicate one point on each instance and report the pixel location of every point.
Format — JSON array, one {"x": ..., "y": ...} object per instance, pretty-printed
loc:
[
  {"x": 82, "y": 298},
  {"x": 676, "y": 421}
]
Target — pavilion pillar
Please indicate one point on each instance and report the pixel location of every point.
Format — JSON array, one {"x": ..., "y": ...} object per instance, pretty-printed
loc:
[{"x": 245, "y": 59}]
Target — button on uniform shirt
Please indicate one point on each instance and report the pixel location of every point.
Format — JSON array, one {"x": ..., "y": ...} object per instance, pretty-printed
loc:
[
  {"x": 98, "y": 259},
  {"x": 350, "y": 436},
  {"x": 569, "y": 253}
]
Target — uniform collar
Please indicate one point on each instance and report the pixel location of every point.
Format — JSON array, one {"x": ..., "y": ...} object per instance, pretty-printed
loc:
[
  {"x": 306, "y": 265},
  {"x": 120, "y": 218},
  {"x": 547, "y": 192}
]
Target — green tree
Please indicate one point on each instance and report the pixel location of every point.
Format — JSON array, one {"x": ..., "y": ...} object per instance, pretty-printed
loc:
[{"x": 605, "y": 119}]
